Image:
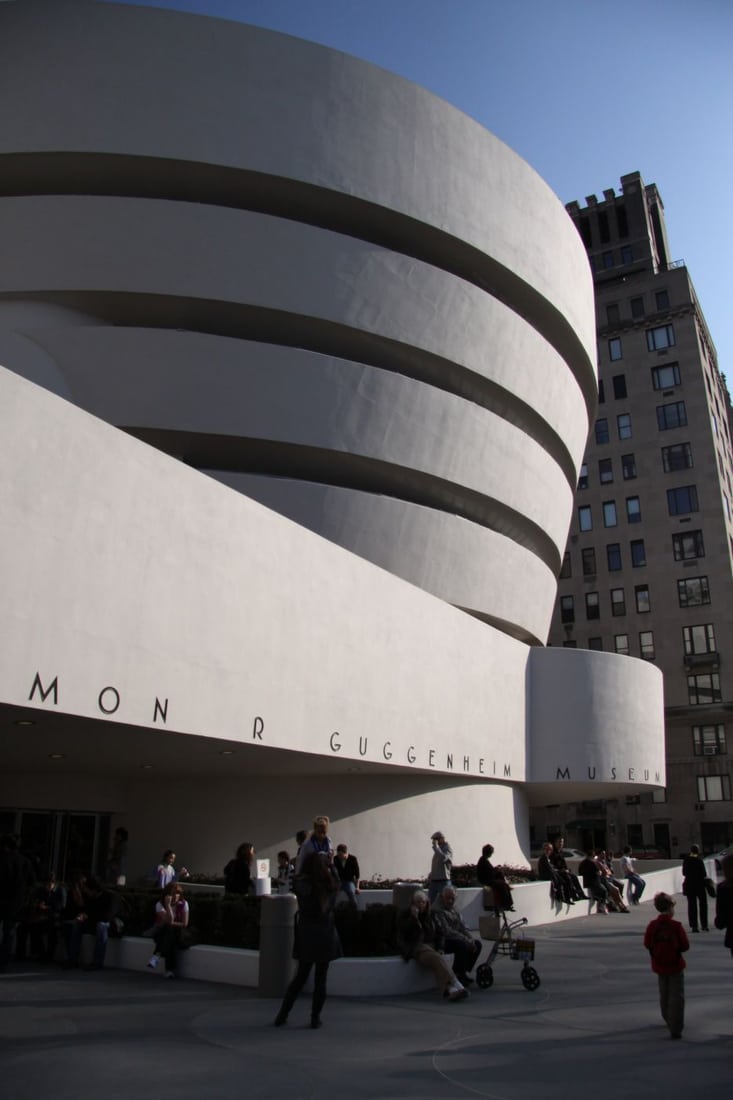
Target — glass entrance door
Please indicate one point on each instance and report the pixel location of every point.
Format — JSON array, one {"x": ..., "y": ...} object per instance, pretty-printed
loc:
[{"x": 59, "y": 840}]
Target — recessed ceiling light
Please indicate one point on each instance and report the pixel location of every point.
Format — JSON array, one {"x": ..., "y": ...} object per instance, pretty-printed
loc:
[
  {"x": 147, "y": 767},
  {"x": 24, "y": 722},
  {"x": 57, "y": 756},
  {"x": 226, "y": 752}
]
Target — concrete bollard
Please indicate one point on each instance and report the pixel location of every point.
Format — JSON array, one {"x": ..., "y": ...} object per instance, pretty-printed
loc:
[
  {"x": 402, "y": 893},
  {"x": 277, "y": 921}
]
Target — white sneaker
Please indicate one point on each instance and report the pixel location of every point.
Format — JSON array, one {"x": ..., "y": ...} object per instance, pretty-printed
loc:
[
  {"x": 456, "y": 992},
  {"x": 153, "y": 961}
]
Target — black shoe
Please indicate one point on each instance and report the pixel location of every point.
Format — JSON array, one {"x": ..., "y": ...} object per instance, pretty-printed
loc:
[
  {"x": 316, "y": 1022},
  {"x": 280, "y": 1019}
]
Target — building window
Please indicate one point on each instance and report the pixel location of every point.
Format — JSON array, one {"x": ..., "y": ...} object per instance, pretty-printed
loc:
[
  {"x": 666, "y": 376},
  {"x": 583, "y": 476},
  {"x": 567, "y": 609},
  {"x": 618, "y": 602},
  {"x": 659, "y": 794},
  {"x": 595, "y": 643},
  {"x": 633, "y": 510},
  {"x": 615, "y": 349},
  {"x": 708, "y": 740},
  {"x": 643, "y": 602},
  {"x": 673, "y": 415},
  {"x": 713, "y": 788},
  {"x": 605, "y": 471},
  {"x": 688, "y": 545},
  {"x": 570, "y": 645},
  {"x": 589, "y": 561},
  {"x": 638, "y": 553},
  {"x": 677, "y": 457},
  {"x": 592, "y": 606},
  {"x": 627, "y": 254},
  {"x": 623, "y": 422},
  {"x": 637, "y": 307},
  {"x": 619, "y": 386},
  {"x": 585, "y": 518},
  {"x": 601, "y": 392},
  {"x": 607, "y": 259},
  {"x": 699, "y": 639},
  {"x": 704, "y": 689},
  {"x": 682, "y": 501},
  {"x": 609, "y": 513},
  {"x": 628, "y": 467},
  {"x": 693, "y": 592},
  {"x": 567, "y": 567},
  {"x": 612, "y": 315},
  {"x": 662, "y": 299},
  {"x": 602, "y": 435},
  {"x": 646, "y": 645},
  {"x": 622, "y": 221},
  {"x": 657, "y": 339},
  {"x": 613, "y": 557},
  {"x": 621, "y": 644}
]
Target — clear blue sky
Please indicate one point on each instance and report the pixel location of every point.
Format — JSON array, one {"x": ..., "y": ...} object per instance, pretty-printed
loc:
[{"x": 584, "y": 90}]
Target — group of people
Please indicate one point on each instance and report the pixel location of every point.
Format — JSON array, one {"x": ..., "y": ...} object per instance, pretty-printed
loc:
[
  {"x": 600, "y": 883},
  {"x": 428, "y": 930}
]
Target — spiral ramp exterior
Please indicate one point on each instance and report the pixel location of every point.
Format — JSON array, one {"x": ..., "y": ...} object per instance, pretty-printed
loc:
[{"x": 313, "y": 282}]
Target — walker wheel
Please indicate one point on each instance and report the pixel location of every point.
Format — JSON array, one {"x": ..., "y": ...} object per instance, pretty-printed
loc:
[
  {"x": 530, "y": 978},
  {"x": 485, "y": 976}
]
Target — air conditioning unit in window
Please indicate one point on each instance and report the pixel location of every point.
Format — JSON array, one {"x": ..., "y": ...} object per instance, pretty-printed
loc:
[{"x": 709, "y": 750}]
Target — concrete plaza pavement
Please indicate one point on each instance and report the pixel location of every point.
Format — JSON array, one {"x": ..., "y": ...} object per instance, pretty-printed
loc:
[{"x": 591, "y": 1029}]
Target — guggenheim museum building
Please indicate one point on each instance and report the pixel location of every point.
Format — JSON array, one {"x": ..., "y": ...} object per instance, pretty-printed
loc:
[{"x": 297, "y": 370}]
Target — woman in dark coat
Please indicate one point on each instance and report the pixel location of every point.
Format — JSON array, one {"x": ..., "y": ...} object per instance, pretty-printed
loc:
[
  {"x": 488, "y": 875},
  {"x": 316, "y": 939},
  {"x": 238, "y": 871},
  {"x": 724, "y": 902},
  {"x": 693, "y": 887}
]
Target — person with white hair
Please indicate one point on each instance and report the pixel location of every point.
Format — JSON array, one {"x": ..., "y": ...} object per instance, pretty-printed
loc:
[{"x": 419, "y": 938}]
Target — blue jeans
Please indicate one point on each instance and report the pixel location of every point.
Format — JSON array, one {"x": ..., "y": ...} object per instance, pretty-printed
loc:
[
  {"x": 349, "y": 888},
  {"x": 101, "y": 936},
  {"x": 635, "y": 888}
]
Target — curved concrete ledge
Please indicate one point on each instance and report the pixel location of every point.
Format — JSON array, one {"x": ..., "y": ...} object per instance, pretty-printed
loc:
[{"x": 376, "y": 977}]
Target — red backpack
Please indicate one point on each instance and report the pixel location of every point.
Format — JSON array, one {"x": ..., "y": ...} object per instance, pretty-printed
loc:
[{"x": 665, "y": 948}]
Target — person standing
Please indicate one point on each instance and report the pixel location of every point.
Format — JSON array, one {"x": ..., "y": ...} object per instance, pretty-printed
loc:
[
  {"x": 665, "y": 939},
  {"x": 316, "y": 939},
  {"x": 441, "y": 865},
  {"x": 238, "y": 871},
  {"x": 319, "y": 842},
  {"x": 347, "y": 869},
  {"x": 724, "y": 902},
  {"x": 636, "y": 884},
  {"x": 693, "y": 887},
  {"x": 17, "y": 879},
  {"x": 165, "y": 872}
]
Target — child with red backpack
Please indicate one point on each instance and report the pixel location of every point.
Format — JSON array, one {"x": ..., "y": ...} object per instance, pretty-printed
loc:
[{"x": 665, "y": 939}]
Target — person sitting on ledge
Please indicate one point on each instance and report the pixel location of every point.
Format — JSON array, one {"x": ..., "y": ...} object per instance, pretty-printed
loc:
[
  {"x": 593, "y": 881},
  {"x": 457, "y": 940},
  {"x": 488, "y": 875},
  {"x": 419, "y": 938},
  {"x": 561, "y": 887}
]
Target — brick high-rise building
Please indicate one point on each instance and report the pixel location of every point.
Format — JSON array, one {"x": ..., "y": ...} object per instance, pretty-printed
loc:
[{"x": 648, "y": 568}]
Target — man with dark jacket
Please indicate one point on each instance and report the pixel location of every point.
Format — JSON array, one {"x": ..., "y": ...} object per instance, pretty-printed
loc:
[
  {"x": 16, "y": 882},
  {"x": 101, "y": 907}
]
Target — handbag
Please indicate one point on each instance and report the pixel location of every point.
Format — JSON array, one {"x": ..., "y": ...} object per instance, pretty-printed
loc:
[{"x": 710, "y": 887}]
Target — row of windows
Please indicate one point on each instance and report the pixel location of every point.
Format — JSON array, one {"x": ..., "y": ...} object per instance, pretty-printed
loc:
[
  {"x": 610, "y": 259},
  {"x": 670, "y": 416},
  {"x": 637, "y": 308},
  {"x": 642, "y": 602},
  {"x": 691, "y": 591},
  {"x": 621, "y": 644},
  {"x": 682, "y": 501},
  {"x": 658, "y": 338},
  {"x": 677, "y": 456},
  {"x": 664, "y": 377}
]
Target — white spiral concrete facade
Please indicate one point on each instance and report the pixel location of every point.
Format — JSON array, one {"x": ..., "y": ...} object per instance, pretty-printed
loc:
[{"x": 334, "y": 293}]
